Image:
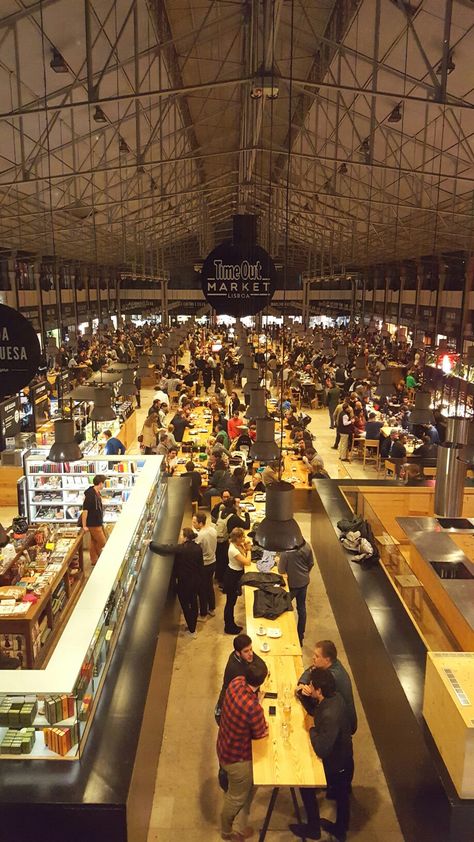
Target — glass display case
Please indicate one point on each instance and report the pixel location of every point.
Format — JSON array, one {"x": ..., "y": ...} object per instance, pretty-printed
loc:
[
  {"x": 55, "y": 491},
  {"x": 46, "y": 714}
]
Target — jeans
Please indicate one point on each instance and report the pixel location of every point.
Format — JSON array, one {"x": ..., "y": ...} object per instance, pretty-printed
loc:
[
  {"x": 188, "y": 600},
  {"x": 308, "y": 796},
  {"x": 207, "y": 597},
  {"x": 222, "y": 560},
  {"x": 340, "y": 784},
  {"x": 300, "y": 595},
  {"x": 231, "y": 589},
  {"x": 239, "y": 796}
]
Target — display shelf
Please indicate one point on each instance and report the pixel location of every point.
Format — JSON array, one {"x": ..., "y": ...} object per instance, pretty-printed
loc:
[
  {"x": 79, "y": 664},
  {"x": 75, "y": 478}
]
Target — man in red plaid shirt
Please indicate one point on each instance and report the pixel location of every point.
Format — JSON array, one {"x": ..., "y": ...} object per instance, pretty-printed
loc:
[{"x": 242, "y": 720}]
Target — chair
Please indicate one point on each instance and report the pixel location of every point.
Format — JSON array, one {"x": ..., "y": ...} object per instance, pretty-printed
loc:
[{"x": 371, "y": 445}]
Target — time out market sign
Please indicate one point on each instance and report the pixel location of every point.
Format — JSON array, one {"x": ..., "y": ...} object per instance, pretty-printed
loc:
[
  {"x": 20, "y": 351},
  {"x": 238, "y": 280}
]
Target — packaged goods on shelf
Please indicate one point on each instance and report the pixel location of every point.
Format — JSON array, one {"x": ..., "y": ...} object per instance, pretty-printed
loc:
[
  {"x": 18, "y": 741},
  {"x": 17, "y": 712},
  {"x": 61, "y": 740},
  {"x": 57, "y": 708}
]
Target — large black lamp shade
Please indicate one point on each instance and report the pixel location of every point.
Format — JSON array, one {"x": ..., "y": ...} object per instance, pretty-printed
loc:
[
  {"x": 102, "y": 405},
  {"x": 265, "y": 448},
  {"x": 421, "y": 412},
  {"x": 279, "y": 531},
  {"x": 258, "y": 406},
  {"x": 64, "y": 449}
]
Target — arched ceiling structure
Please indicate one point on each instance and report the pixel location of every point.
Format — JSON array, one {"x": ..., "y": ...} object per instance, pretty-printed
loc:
[{"x": 139, "y": 151}]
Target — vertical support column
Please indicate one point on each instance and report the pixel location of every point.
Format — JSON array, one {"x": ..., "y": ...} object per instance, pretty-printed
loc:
[
  {"x": 364, "y": 292},
  {"x": 419, "y": 280},
  {"x": 14, "y": 277},
  {"x": 164, "y": 302},
  {"x": 465, "y": 305},
  {"x": 401, "y": 288},
  {"x": 305, "y": 307},
  {"x": 39, "y": 298},
  {"x": 439, "y": 265},
  {"x": 386, "y": 272}
]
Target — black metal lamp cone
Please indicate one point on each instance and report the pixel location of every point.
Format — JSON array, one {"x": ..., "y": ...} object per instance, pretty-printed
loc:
[
  {"x": 102, "y": 405},
  {"x": 64, "y": 449},
  {"x": 252, "y": 378},
  {"x": 128, "y": 386},
  {"x": 386, "y": 387},
  {"x": 341, "y": 355},
  {"x": 143, "y": 365},
  {"x": 265, "y": 448},
  {"x": 360, "y": 371},
  {"x": 82, "y": 393},
  {"x": 156, "y": 356},
  {"x": 257, "y": 407},
  {"x": 421, "y": 413},
  {"x": 279, "y": 531}
]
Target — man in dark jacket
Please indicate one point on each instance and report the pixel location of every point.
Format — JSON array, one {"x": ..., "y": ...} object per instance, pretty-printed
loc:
[
  {"x": 196, "y": 482},
  {"x": 239, "y": 659},
  {"x": 297, "y": 564},
  {"x": 325, "y": 657},
  {"x": 332, "y": 742},
  {"x": 179, "y": 422},
  {"x": 92, "y": 517},
  {"x": 427, "y": 450},
  {"x": 188, "y": 566}
]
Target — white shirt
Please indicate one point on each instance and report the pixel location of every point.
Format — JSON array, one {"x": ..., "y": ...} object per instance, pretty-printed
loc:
[
  {"x": 234, "y": 563},
  {"x": 207, "y": 538}
]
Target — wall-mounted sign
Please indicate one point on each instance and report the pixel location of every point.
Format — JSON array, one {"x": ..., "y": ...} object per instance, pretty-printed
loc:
[
  {"x": 20, "y": 351},
  {"x": 238, "y": 280},
  {"x": 9, "y": 420}
]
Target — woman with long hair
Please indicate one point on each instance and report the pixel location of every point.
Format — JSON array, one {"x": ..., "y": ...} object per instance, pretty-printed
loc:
[{"x": 239, "y": 557}]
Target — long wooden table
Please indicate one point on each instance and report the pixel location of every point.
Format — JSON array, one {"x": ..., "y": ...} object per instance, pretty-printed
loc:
[{"x": 286, "y": 757}]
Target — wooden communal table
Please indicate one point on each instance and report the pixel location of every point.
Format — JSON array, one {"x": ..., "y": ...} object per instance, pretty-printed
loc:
[
  {"x": 286, "y": 757},
  {"x": 201, "y": 422},
  {"x": 27, "y": 624}
]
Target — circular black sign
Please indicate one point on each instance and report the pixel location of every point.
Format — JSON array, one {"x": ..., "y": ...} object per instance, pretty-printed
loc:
[
  {"x": 20, "y": 351},
  {"x": 238, "y": 280}
]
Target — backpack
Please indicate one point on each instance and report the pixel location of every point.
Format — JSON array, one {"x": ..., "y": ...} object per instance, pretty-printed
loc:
[{"x": 221, "y": 527}]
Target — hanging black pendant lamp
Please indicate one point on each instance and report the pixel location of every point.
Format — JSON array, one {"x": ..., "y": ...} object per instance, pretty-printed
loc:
[
  {"x": 257, "y": 407},
  {"x": 64, "y": 449},
  {"x": 360, "y": 371},
  {"x": 421, "y": 412},
  {"x": 265, "y": 448},
  {"x": 127, "y": 386},
  {"x": 279, "y": 531},
  {"x": 102, "y": 405}
]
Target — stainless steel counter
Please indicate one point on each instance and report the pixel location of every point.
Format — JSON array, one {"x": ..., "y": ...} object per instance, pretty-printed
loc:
[{"x": 435, "y": 545}]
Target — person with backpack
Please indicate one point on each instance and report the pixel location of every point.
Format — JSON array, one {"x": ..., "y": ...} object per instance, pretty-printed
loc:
[{"x": 228, "y": 518}]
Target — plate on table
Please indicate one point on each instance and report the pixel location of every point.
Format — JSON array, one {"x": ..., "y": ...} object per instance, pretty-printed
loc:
[
  {"x": 265, "y": 647},
  {"x": 261, "y": 633},
  {"x": 274, "y": 632}
]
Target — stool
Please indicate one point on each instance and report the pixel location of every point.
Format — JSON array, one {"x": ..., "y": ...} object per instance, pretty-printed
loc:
[{"x": 411, "y": 591}]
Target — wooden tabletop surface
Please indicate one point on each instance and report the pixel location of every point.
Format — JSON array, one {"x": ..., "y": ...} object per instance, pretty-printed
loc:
[{"x": 286, "y": 759}]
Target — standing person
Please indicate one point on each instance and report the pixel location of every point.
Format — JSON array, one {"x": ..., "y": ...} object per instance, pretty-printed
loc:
[
  {"x": 239, "y": 557},
  {"x": 188, "y": 565},
  {"x": 298, "y": 564},
  {"x": 239, "y": 660},
  {"x": 345, "y": 429},
  {"x": 138, "y": 386},
  {"x": 206, "y": 538},
  {"x": 92, "y": 517},
  {"x": 242, "y": 721},
  {"x": 325, "y": 657},
  {"x": 149, "y": 434},
  {"x": 179, "y": 422},
  {"x": 332, "y": 742},
  {"x": 113, "y": 445},
  {"x": 196, "y": 482},
  {"x": 228, "y": 518},
  {"x": 229, "y": 373},
  {"x": 234, "y": 424}
]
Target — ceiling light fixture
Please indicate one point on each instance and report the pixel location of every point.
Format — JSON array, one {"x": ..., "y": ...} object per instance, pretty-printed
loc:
[
  {"x": 396, "y": 114},
  {"x": 342, "y": 169},
  {"x": 450, "y": 67},
  {"x": 58, "y": 63},
  {"x": 99, "y": 116},
  {"x": 64, "y": 449}
]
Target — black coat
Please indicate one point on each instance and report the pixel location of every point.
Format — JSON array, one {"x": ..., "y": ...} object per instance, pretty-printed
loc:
[
  {"x": 331, "y": 736},
  {"x": 188, "y": 562}
]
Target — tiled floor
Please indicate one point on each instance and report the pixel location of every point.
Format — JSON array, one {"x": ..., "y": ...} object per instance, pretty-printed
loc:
[{"x": 187, "y": 798}]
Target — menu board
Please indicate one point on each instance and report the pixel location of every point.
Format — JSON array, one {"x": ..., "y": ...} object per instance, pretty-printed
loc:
[{"x": 9, "y": 420}]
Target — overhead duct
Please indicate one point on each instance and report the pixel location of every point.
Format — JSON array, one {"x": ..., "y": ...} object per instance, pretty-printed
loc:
[
  {"x": 265, "y": 448},
  {"x": 279, "y": 531}
]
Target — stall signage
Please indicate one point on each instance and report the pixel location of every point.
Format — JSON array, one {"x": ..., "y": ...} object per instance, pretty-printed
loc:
[
  {"x": 20, "y": 351},
  {"x": 238, "y": 280},
  {"x": 10, "y": 424}
]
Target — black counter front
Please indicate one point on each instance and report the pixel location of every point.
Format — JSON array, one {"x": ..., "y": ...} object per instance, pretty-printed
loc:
[
  {"x": 387, "y": 658},
  {"x": 106, "y": 796}
]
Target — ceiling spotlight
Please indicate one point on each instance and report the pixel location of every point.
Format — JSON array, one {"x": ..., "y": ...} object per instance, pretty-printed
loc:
[
  {"x": 451, "y": 65},
  {"x": 123, "y": 145},
  {"x": 57, "y": 63},
  {"x": 365, "y": 146},
  {"x": 396, "y": 114},
  {"x": 99, "y": 116},
  {"x": 342, "y": 169}
]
